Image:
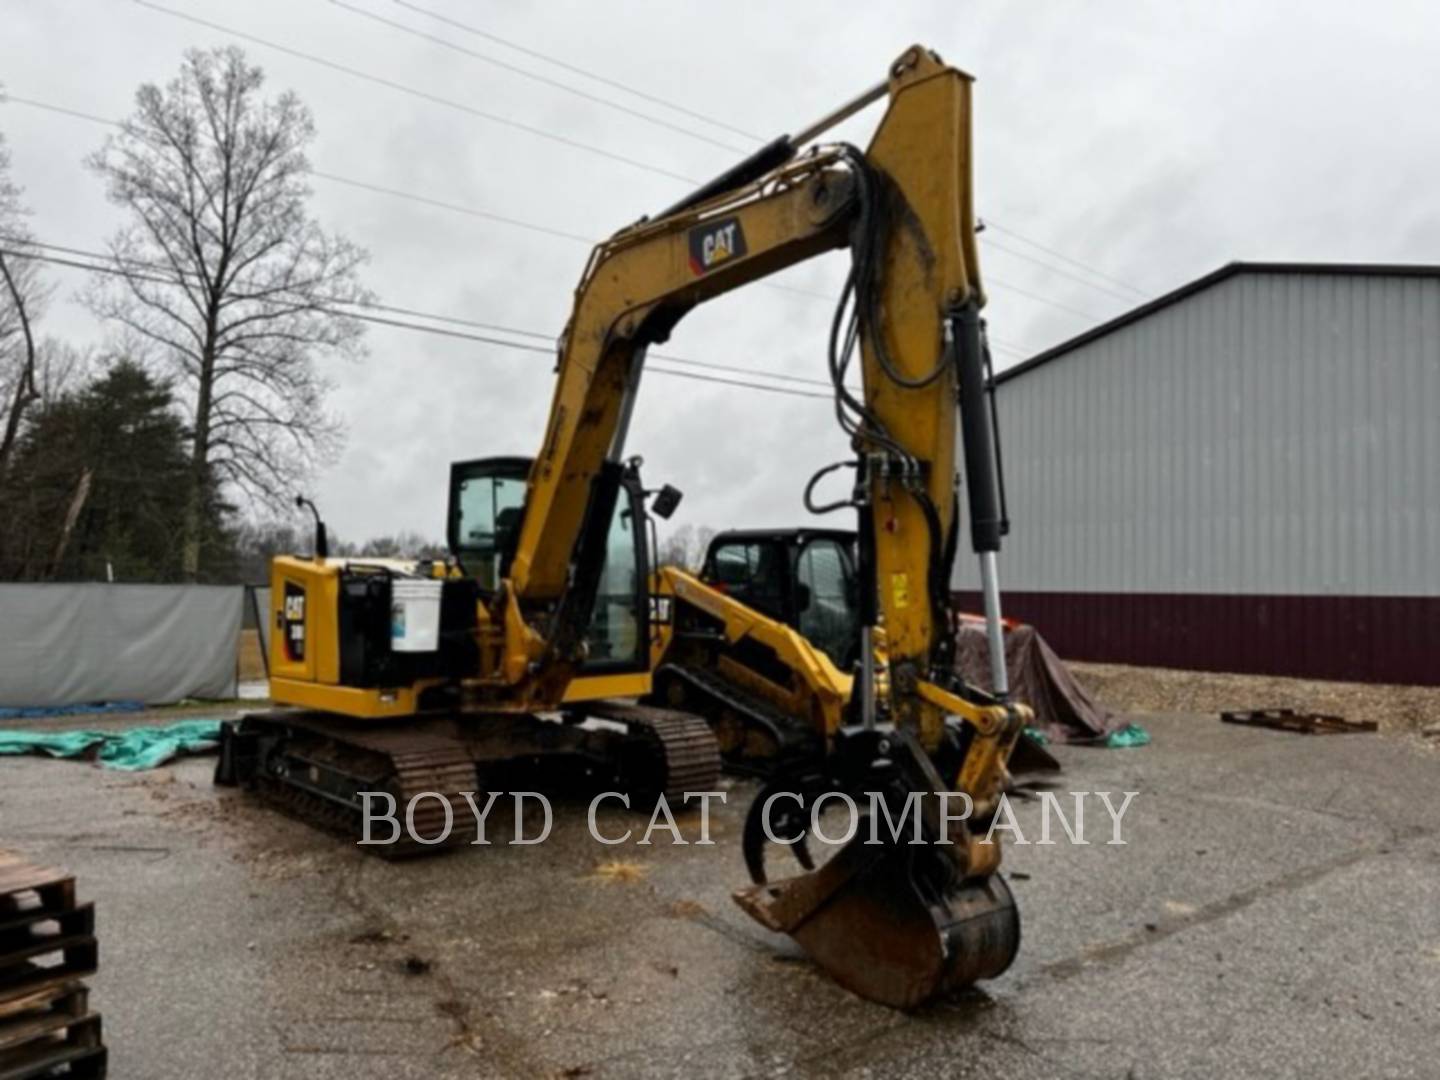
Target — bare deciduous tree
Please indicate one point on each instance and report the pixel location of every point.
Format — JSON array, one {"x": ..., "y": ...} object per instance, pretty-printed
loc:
[
  {"x": 686, "y": 547},
  {"x": 20, "y": 297},
  {"x": 228, "y": 276}
]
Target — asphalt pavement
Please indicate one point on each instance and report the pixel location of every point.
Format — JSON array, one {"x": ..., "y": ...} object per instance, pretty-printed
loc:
[{"x": 1275, "y": 912}]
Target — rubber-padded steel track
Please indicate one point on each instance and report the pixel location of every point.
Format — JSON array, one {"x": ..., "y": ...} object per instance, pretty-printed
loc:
[
  {"x": 712, "y": 694},
  {"x": 315, "y": 770},
  {"x": 318, "y": 767},
  {"x": 678, "y": 752}
]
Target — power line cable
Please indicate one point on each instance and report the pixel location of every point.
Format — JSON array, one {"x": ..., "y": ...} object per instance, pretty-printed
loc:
[
  {"x": 993, "y": 224},
  {"x": 502, "y": 219},
  {"x": 535, "y": 77},
  {"x": 518, "y": 125},
  {"x": 546, "y": 57},
  {"x": 564, "y": 140},
  {"x": 373, "y": 305},
  {"x": 1080, "y": 312},
  {"x": 440, "y": 331},
  {"x": 536, "y": 54},
  {"x": 423, "y": 95},
  {"x": 1117, "y": 294},
  {"x": 440, "y": 204}
]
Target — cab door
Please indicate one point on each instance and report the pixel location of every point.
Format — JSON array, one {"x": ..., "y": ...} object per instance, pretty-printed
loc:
[
  {"x": 618, "y": 634},
  {"x": 826, "y": 599}
]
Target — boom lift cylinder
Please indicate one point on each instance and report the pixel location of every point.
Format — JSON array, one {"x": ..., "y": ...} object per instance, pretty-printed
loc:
[{"x": 987, "y": 519}]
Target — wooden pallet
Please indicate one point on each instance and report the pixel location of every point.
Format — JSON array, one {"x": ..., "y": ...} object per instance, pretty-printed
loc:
[
  {"x": 47, "y": 944},
  {"x": 50, "y": 1028},
  {"x": 1302, "y": 723},
  {"x": 24, "y": 886},
  {"x": 46, "y": 939}
]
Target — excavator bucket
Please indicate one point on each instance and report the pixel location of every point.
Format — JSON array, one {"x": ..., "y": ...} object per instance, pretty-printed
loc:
[
  {"x": 867, "y": 918},
  {"x": 895, "y": 922}
]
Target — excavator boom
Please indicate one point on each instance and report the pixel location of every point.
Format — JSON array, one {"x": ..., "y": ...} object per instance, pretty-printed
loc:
[
  {"x": 910, "y": 312},
  {"x": 904, "y": 207}
]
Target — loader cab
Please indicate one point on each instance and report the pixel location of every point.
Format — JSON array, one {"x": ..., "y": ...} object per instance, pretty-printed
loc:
[
  {"x": 805, "y": 578},
  {"x": 486, "y": 508}
]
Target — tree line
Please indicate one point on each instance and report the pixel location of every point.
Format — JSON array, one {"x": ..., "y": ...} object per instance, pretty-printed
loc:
[
  {"x": 161, "y": 454},
  {"x": 172, "y": 450}
]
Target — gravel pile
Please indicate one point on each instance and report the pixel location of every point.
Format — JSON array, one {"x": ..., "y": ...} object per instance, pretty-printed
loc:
[{"x": 1135, "y": 689}]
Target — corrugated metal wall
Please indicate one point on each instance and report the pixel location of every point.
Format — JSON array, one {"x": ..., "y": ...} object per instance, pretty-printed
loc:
[{"x": 1275, "y": 435}]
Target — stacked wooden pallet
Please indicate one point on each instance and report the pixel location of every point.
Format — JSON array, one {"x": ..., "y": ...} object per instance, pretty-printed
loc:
[{"x": 47, "y": 946}]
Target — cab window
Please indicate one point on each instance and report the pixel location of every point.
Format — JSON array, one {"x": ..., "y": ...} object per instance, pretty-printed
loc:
[
  {"x": 754, "y": 573},
  {"x": 488, "y": 512},
  {"x": 826, "y": 600},
  {"x": 615, "y": 635}
]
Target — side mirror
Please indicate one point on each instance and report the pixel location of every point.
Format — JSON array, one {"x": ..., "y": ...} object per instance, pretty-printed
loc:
[{"x": 667, "y": 500}]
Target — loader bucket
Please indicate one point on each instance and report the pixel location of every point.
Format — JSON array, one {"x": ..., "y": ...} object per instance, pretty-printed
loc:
[{"x": 887, "y": 923}]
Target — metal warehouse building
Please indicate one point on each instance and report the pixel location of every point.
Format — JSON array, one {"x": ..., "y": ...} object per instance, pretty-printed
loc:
[{"x": 1242, "y": 475}]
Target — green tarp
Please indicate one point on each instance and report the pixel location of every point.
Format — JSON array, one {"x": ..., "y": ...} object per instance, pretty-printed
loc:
[
  {"x": 1129, "y": 735},
  {"x": 137, "y": 748}
]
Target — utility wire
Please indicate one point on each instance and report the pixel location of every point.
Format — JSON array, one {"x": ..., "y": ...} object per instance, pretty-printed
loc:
[
  {"x": 534, "y": 77},
  {"x": 400, "y": 324},
  {"x": 423, "y": 95},
  {"x": 520, "y": 126},
  {"x": 547, "y": 58},
  {"x": 652, "y": 98},
  {"x": 1080, "y": 312},
  {"x": 452, "y": 207},
  {"x": 1116, "y": 293},
  {"x": 372, "y": 305},
  {"x": 993, "y": 224},
  {"x": 999, "y": 344},
  {"x": 574, "y": 143}
]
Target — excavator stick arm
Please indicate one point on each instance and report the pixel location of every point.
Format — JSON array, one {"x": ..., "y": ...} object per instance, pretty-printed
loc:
[
  {"x": 936, "y": 916},
  {"x": 637, "y": 286}
]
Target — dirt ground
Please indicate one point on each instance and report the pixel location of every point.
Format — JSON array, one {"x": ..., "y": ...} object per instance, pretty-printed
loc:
[
  {"x": 1135, "y": 689},
  {"x": 1272, "y": 914}
]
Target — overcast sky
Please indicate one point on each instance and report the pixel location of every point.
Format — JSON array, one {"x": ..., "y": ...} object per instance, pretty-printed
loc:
[{"x": 1148, "y": 142}]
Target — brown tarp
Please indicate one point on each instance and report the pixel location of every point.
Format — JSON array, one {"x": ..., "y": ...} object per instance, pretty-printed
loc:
[{"x": 1064, "y": 710}]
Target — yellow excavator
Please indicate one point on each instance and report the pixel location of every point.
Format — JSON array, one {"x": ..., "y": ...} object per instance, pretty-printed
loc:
[{"x": 405, "y": 679}]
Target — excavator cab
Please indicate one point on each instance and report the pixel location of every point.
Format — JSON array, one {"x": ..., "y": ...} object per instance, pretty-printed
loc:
[
  {"x": 487, "y": 500},
  {"x": 483, "y": 520}
]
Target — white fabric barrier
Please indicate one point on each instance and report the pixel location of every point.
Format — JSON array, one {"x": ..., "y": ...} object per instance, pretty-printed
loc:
[
  {"x": 260, "y": 597},
  {"x": 76, "y": 644}
]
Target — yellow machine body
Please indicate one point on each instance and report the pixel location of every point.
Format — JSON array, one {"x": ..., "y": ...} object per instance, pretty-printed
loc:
[
  {"x": 904, "y": 209},
  {"x": 304, "y": 653},
  {"x": 817, "y": 691}
]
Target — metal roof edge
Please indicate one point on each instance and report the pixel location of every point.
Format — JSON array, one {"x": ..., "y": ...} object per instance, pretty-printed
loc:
[{"x": 1229, "y": 270}]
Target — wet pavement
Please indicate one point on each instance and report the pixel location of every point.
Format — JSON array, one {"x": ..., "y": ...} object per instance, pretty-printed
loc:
[{"x": 1275, "y": 912}]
